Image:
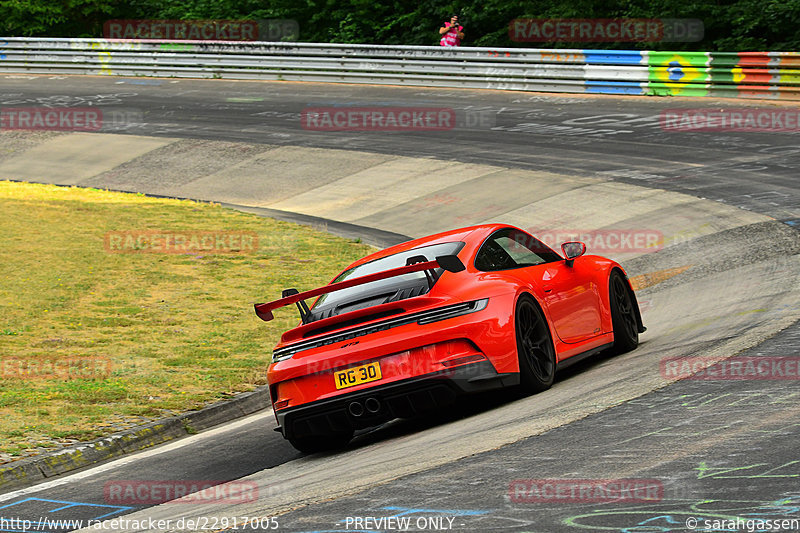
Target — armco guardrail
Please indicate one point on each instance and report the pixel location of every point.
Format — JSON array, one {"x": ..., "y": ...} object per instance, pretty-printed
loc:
[{"x": 722, "y": 74}]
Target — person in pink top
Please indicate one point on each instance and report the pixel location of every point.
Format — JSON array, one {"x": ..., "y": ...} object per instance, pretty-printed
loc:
[{"x": 451, "y": 32}]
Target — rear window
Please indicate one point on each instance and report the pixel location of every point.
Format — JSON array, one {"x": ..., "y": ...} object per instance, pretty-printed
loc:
[{"x": 384, "y": 290}]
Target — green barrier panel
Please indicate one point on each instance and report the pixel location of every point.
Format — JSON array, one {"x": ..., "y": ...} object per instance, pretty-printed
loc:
[
  {"x": 787, "y": 77},
  {"x": 678, "y": 73},
  {"x": 740, "y": 76},
  {"x": 676, "y": 89},
  {"x": 687, "y": 59},
  {"x": 730, "y": 74}
]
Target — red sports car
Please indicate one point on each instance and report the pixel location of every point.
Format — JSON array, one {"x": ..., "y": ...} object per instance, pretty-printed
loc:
[{"x": 408, "y": 329}]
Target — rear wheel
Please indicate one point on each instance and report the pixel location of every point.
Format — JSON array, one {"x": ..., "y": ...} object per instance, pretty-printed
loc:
[
  {"x": 623, "y": 315},
  {"x": 537, "y": 356},
  {"x": 321, "y": 443}
]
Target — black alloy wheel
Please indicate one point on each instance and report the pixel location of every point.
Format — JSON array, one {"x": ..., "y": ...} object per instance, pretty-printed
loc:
[
  {"x": 537, "y": 356},
  {"x": 623, "y": 315}
]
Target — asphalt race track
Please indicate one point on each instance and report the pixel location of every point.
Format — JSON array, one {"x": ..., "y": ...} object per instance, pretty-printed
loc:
[{"x": 724, "y": 281}]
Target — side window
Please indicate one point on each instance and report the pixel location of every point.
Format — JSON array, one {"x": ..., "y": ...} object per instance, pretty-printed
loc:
[{"x": 511, "y": 248}]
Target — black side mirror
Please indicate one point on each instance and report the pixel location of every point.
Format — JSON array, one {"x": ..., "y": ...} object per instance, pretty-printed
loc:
[{"x": 573, "y": 249}]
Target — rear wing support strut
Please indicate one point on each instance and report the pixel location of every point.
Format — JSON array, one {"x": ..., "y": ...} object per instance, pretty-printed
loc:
[{"x": 450, "y": 263}]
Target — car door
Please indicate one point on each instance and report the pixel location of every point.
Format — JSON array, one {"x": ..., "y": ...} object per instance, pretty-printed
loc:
[
  {"x": 572, "y": 298},
  {"x": 570, "y": 293}
]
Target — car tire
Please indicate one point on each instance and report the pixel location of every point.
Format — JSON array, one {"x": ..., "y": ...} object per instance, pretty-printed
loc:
[
  {"x": 535, "y": 351},
  {"x": 623, "y": 314},
  {"x": 321, "y": 443}
]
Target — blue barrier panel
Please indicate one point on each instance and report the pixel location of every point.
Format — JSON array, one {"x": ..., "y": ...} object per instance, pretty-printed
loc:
[
  {"x": 614, "y": 57},
  {"x": 615, "y": 87}
]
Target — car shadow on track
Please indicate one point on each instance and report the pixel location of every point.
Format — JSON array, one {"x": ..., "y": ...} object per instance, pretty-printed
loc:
[{"x": 465, "y": 407}]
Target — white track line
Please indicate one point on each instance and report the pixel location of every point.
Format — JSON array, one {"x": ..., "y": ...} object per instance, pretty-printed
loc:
[{"x": 178, "y": 443}]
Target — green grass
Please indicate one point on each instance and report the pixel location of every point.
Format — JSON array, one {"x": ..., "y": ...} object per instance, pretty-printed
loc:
[{"x": 177, "y": 331}]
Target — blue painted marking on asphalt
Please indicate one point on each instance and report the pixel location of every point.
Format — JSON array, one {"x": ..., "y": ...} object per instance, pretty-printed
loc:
[
  {"x": 455, "y": 512},
  {"x": 66, "y": 505},
  {"x": 358, "y": 103},
  {"x": 142, "y": 82},
  {"x": 79, "y": 504}
]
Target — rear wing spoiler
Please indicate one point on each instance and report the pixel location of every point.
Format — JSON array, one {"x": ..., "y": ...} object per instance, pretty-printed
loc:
[{"x": 450, "y": 263}]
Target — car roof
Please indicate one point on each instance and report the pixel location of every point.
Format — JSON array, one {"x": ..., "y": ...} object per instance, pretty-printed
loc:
[{"x": 469, "y": 235}]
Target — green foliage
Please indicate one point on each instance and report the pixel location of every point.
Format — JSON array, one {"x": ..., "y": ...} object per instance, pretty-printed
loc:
[
  {"x": 67, "y": 18},
  {"x": 731, "y": 25}
]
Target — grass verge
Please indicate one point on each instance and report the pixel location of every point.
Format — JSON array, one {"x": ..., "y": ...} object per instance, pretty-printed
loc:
[{"x": 93, "y": 340}]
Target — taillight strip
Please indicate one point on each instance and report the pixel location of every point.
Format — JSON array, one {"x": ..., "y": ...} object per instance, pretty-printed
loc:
[{"x": 421, "y": 317}]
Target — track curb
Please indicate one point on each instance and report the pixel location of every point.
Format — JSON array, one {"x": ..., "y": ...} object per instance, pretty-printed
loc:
[{"x": 25, "y": 472}]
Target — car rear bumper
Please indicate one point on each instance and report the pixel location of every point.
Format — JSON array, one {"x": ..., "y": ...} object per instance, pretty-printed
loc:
[{"x": 375, "y": 405}]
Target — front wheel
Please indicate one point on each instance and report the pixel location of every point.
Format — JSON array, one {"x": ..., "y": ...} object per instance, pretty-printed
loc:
[
  {"x": 623, "y": 315},
  {"x": 537, "y": 356}
]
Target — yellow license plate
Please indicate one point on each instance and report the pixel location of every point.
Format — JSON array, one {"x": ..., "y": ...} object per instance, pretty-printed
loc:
[{"x": 357, "y": 375}]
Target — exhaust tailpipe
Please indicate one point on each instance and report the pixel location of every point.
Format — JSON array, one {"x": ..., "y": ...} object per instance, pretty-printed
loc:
[
  {"x": 355, "y": 409},
  {"x": 373, "y": 405}
]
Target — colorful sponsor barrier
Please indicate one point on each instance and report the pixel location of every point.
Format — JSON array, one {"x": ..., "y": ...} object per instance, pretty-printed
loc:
[{"x": 771, "y": 75}]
